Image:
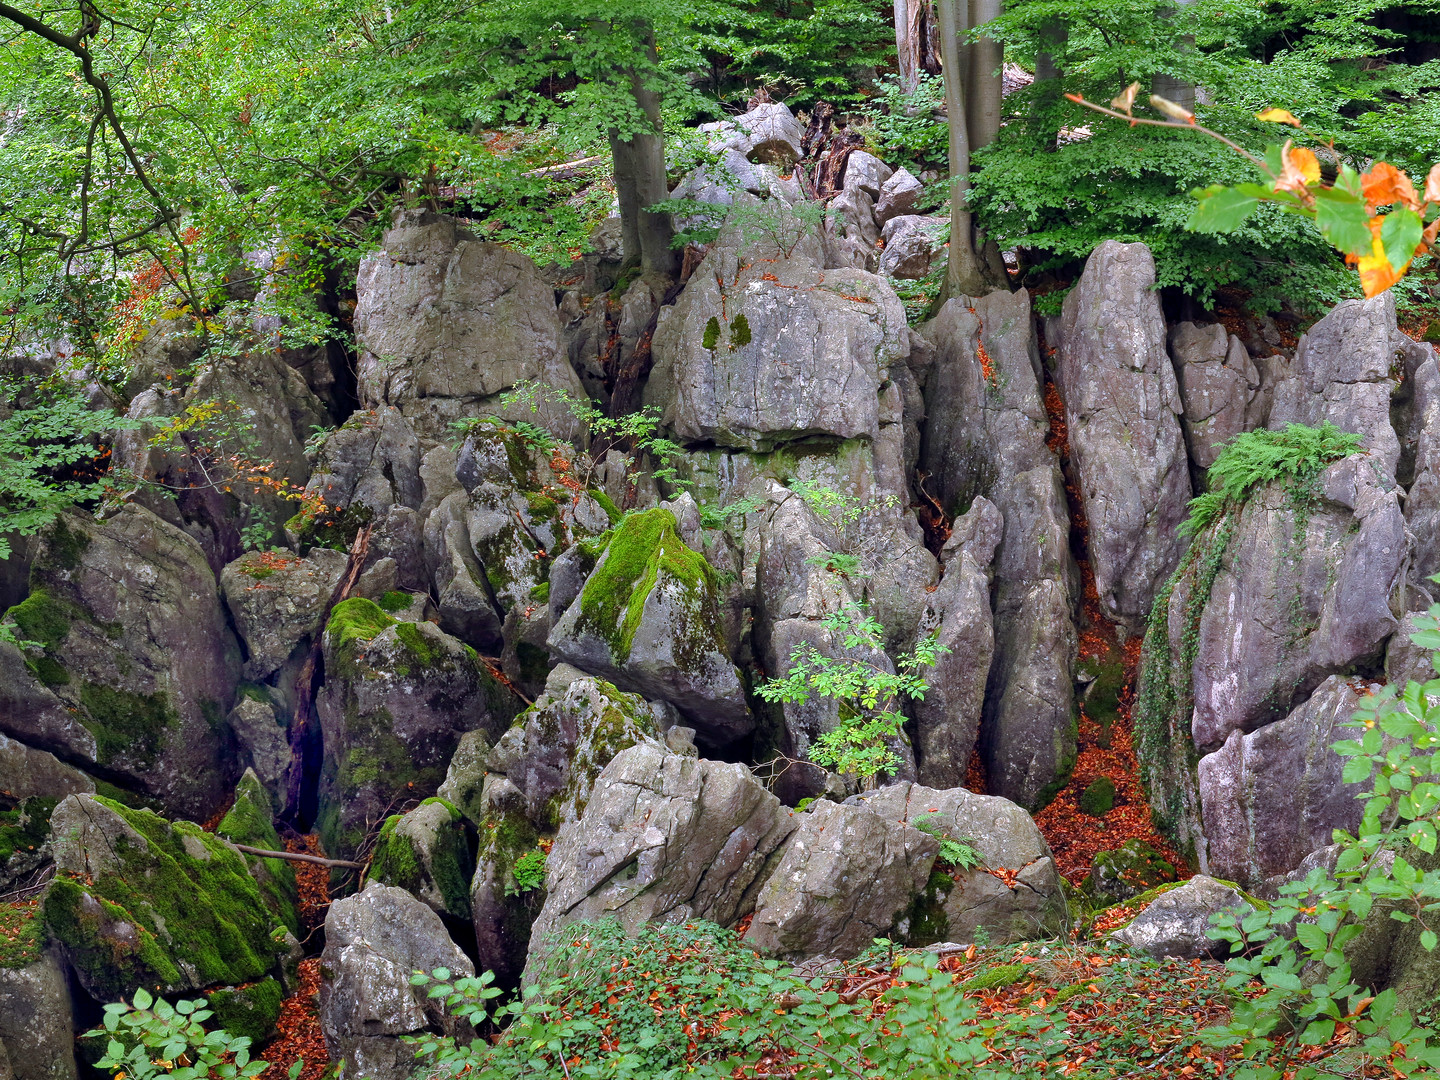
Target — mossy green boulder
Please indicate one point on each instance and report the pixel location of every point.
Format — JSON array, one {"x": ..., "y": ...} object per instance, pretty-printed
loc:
[
  {"x": 1127, "y": 871},
  {"x": 649, "y": 620},
  {"x": 141, "y": 901},
  {"x": 426, "y": 851},
  {"x": 250, "y": 821}
]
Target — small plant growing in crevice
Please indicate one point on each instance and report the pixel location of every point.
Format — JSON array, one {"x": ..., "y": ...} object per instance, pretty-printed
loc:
[
  {"x": 958, "y": 852},
  {"x": 528, "y": 872}
]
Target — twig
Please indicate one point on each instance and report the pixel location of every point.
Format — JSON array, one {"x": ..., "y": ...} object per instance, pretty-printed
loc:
[
  {"x": 293, "y": 856},
  {"x": 1190, "y": 126}
]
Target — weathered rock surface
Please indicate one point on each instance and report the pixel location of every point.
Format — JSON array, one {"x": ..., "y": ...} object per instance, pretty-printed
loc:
[
  {"x": 374, "y": 941},
  {"x": 397, "y": 697},
  {"x": 911, "y": 243},
  {"x": 1271, "y": 797},
  {"x": 447, "y": 323},
  {"x": 866, "y": 172},
  {"x": 663, "y": 837},
  {"x": 1176, "y": 922},
  {"x": 898, "y": 195},
  {"x": 1422, "y": 507},
  {"x": 1121, "y": 407},
  {"x": 138, "y": 667},
  {"x": 278, "y": 603},
  {"x": 1219, "y": 388},
  {"x": 1345, "y": 373},
  {"x": 648, "y": 618},
  {"x": 768, "y": 134},
  {"x": 985, "y": 435},
  {"x": 140, "y": 901},
  {"x": 846, "y": 876},
  {"x": 426, "y": 852},
  {"x": 36, "y": 1027},
  {"x": 1007, "y": 838},
  {"x": 25, "y": 772}
]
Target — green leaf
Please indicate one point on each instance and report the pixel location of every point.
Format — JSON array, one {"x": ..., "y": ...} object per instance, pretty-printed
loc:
[
  {"x": 143, "y": 999},
  {"x": 1221, "y": 209},
  {"x": 1428, "y": 940},
  {"x": 1400, "y": 232},
  {"x": 1342, "y": 220}
]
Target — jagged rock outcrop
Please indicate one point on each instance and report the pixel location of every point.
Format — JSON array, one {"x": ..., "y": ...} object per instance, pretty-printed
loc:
[
  {"x": 985, "y": 435},
  {"x": 912, "y": 242},
  {"x": 447, "y": 323},
  {"x": 278, "y": 603},
  {"x": 1345, "y": 372},
  {"x": 374, "y": 942},
  {"x": 846, "y": 876},
  {"x": 1122, "y": 405},
  {"x": 1219, "y": 389},
  {"x": 1177, "y": 922},
  {"x": 37, "y": 1032},
  {"x": 899, "y": 195},
  {"x": 1422, "y": 506},
  {"x": 137, "y": 667},
  {"x": 663, "y": 837},
  {"x": 955, "y": 905},
  {"x": 648, "y": 617},
  {"x": 426, "y": 852},
  {"x": 141, "y": 901},
  {"x": 397, "y": 697},
  {"x": 1271, "y": 797}
]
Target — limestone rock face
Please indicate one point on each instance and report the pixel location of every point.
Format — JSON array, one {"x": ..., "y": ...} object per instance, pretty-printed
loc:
[
  {"x": 785, "y": 351},
  {"x": 374, "y": 941},
  {"x": 27, "y": 772},
  {"x": 1122, "y": 406},
  {"x": 1007, "y": 838},
  {"x": 648, "y": 617},
  {"x": 36, "y": 1027},
  {"x": 985, "y": 436},
  {"x": 1422, "y": 507},
  {"x": 663, "y": 837},
  {"x": 140, "y": 901},
  {"x": 1271, "y": 797},
  {"x": 1344, "y": 373},
  {"x": 1219, "y": 388},
  {"x": 1176, "y": 922},
  {"x": 847, "y": 876},
  {"x": 866, "y": 172},
  {"x": 911, "y": 244},
  {"x": 447, "y": 323},
  {"x": 278, "y": 603},
  {"x": 426, "y": 852},
  {"x": 397, "y": 697},
  {"x": 898, "y": 195},
  {"x": 138, "y": 667},
  {"x": 767, "y": 134}
]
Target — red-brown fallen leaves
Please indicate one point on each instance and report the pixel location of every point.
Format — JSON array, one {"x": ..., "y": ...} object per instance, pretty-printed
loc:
[
  {"x": 299, "y": 1035},
  {"x": 313, "y": 881}
]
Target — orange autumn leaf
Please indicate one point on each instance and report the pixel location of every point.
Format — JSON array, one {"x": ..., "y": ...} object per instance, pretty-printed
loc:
[
  {"x": 1278, "y": 116},
  {"x": 1432, "y": 184},
  {"x": 1376, "y": 273},
  {"x": 1384, "y": 184},
  {"x": 1301, "y": 167}
]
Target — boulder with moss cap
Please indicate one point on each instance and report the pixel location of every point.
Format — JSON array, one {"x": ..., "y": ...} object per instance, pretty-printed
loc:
[
  {"x": 426, "y": 852},
  {"x": 397, "y": 698},
  {"x": 250, "y": 821},
  {"x": 648, "y": 618}
]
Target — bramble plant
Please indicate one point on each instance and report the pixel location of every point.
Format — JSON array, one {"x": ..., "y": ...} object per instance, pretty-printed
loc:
[
  {"x": 148, "y": 1037},
  {"x": 868, "y": 694},
  {"x": 1296, "y": 949},
  {"x": 1349, "y": 212}
]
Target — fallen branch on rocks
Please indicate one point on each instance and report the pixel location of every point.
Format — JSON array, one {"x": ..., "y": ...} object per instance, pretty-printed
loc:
[{"x": 293, "y": 856}]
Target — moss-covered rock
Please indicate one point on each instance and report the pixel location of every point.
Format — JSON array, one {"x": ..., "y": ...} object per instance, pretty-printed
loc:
[
  {"x": 426, "y": 852},
  {"x": 24, "y": 839},
  {"x": 649, "y": 619},
  {"x": 1098, "y": 798},
  {"x": 249, "y": 1010},
  {"x": 141, "y": 901},
  {"x": 1129, "y": 870},
  {"x": 250, "y": 821}
]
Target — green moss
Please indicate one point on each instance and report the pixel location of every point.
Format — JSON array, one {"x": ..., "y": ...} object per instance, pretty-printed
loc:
[
  {"x": 22, "y": 937},
  {"x": 927, "y": 918},
  {"x": 1098, "y": 799},
  {"x": 248, "y": 1010},
  {"x": 25, "y": 827},
  {"x": 996, "y": 977},
  {"x": 197, "y": 914},
  {"x": 426, "y": 654},
  {"x": 48, "y": 670},
  {"x": 399, "y": 861},
  {"x": 395, "y": 601},
  {"x": 1102, "y": 700},
  {"x": 739, "y": 331},
  {"x": 356, "y": 619},
  {"x": 644, "y": 545},
  {"x": 250, "y": 821},
  {"x": 64, "y": 547},
  {"x": 541, "y": 593},
  {"x": 126, "y": 723},
  {"x": 132, "y": 799},
  {"x": 608, "y": 505},
  {"x": 40, "y": 617},
  {"x": 711, "y": 337},
  {"x": 334, "y": 529}
]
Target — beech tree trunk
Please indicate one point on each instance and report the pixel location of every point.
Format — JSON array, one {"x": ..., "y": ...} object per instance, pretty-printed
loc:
[
  {"x": 1170, "y": 86},
  {"x": 907, "y": 43},
  {"x": 640, "y": 183}
]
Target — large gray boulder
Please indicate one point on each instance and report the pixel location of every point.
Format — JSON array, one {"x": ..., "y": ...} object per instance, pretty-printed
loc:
[
  {"x": 648, "y": 618},
  {"x": 846, "y": 877},
  {"x": 1028, "y": 905},
  {"x": 1177, "y": 922},
  {"x": 137, "y": 667},
  {"x": 985, "y": 436},
  {"x": 767, "y": 134},
  {"x": 912, "y": 241},
  {"x": 899, "y": 195},
  {"x": 1345, "y": 371},
  {"x": 664, "y": 837},
  {"x": 1122, "y": 405},
  {"x": 1273, "y": 796},
  {"x": 426, "y": 852},
  {"x": 447, "y": 323},
  {"x": 397, "y": 697},
  {"x": 757, "y": 353},
  {"x": 374, "y": 942},
  {"x": 1422, "y": 506},
  {"x": 278, "y": 603},
  {"x": 1219, "y": 388},
  {"x": 37, "y": 1030}
]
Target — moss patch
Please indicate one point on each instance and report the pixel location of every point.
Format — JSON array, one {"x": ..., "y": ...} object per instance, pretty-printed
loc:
[
  {"x": 40, "y": 617},
  {"x": 395, "y": 601},
  {"x": 250, "y": 821},
  {"x": 996, "y": 977},
  {"x": 400, "y": 861},
  {"x": 424, "y": 651},
  {"x": 126, "y": 723},
  {"x": 640, "y": 549},
  {"x": 247, "y": 1010},
  {"x": 64, "y": 547},
  {"x": 1098, "y": 799},
  {"x": 21, "y": 934},
  {"x": 25, "y": 827},
  {"x": 162, "y": 917}
]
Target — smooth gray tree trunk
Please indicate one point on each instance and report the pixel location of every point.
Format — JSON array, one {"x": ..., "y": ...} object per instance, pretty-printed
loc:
[
  {"x": 1170, "y": 86},
  {"x": 907, "y": 43},
  {"x": 640, "y": 183},
  {"x": 962, "y": 270}
]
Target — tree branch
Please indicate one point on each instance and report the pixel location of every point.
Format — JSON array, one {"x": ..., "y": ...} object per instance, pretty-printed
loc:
[{"x": 296, "y": 857}]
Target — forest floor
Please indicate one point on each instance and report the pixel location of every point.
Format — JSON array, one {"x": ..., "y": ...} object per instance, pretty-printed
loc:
[{"x": 298, "y": 1030}]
